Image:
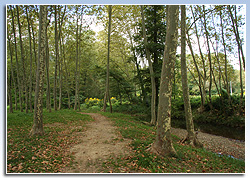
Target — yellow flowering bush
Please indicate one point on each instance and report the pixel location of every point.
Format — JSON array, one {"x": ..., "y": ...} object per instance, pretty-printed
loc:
[
  {"x": 89, "y": 102},
  {"x": 93, "y": 102}
]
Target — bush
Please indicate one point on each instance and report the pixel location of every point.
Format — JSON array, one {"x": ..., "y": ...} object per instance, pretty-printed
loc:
[{"x": 89, "y": 102}]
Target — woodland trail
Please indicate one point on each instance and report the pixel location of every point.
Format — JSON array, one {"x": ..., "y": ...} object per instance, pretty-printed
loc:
[{"x": 99, "y": 142}]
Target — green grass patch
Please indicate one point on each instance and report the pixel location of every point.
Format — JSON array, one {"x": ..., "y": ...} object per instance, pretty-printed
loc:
[
  {"x": 188, "y": 160},
  {"x": 42, "y": 154}
]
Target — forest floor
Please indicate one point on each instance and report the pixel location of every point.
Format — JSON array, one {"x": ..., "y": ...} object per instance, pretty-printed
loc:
[{"x": 103, "y": 141}]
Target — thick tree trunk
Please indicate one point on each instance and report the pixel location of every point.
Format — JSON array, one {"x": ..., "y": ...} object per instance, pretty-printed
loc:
[
  {"x": 37, "y": 128},
  {"x": 153, "y": 86},
  {"x": 163, "y": 144},
  {"x": 107, "y": 95},
  {"x": 191, "y": 136}
]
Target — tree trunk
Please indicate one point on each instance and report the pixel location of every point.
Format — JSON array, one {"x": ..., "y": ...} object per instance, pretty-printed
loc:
[
  {"x": 60, "y": 59},
  {"x": 191, "y": 136},
  {"x": 56, "y": 61},
  {"x": 199, "y": 74},
  {"x": 30, "y": 78},
  {"x": 20, "y": 86},
  {"x": 12, "y": 72},
  {"x": 107, "y": 76},
  {"x": 23, "y": 61},
  {"x": 48, "y": 99},
  {"x": 163, "y": 144},
  {"x": 37, "y": 128},
  {"x": 153, "y": 86},
  {"x": 209, "y": 59},
  {"x": 236, "y": 32},
  {"x": 225, "y": 55},
  {"x": 76, "y": 72}
]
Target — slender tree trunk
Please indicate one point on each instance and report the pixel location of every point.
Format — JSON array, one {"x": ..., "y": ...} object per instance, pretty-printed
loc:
[
  {"x": 60, "y": 59},
  {"x": 241, "y": 83},
  {"x": 225, "y": 55},
  {"x": 240, "y": 51},
  {"x": 9, "y": 92},
  {"x": 199, "y": 74},
  {"x": 56, "y": 61},
  {"x": 209, "y": 59},
  {"x": 10, "y": 78},
  {"x": 191, "y": 136},
  {"x": 66, "y": 77},
  {"x": 107, "y": 95},
  {"x": 19, "y": 84},
  {"x": 12, "y": 71},
  {"x": 236, "y": 32},
  {"x": 76, "y": 72},
  {"x": 138, "y": 70},
  {"x": 153, "y": 86},
  {"x": 23, "y": 61},
  {"x": 37, "y": 128},
  {"x": 163, "y": 144},
  {"x": 30, "y": 78},
  {"x": 203, "y": 63},
  {"x": 48, "y": 99}
]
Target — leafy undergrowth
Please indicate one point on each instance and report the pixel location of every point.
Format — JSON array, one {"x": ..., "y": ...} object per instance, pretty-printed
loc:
[
  {"x": 42, "y": 154},
  {"x": 188, "y": 160}
]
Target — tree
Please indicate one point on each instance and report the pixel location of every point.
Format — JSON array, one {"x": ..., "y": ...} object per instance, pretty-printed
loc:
[
  {"x": 23, "y": 60},
  {"x": 56, "y": 61},
  {"x": 163, "y": 143},
  {"x": 37, "y": 128},
  {"x": 19, "y": 84},
  {"x": 191, "y": 136},
  {"x": 153, "y": 87},
  {"x": 107, "y": 76}
]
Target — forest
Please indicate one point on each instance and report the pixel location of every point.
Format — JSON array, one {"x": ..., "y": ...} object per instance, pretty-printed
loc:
[{"x": 164, "y": 78}]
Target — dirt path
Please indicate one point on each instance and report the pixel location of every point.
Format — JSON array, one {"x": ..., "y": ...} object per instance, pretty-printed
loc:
[
  {"x": 217, "y": 144},
  {"x": 99, "y": 142}
]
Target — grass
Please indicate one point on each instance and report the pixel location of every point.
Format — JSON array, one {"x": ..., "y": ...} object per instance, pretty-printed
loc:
[
  {"x": 42, "y": 154},
  {"x": 188, "y": 160},
  {"x": 50, "y": 153}
]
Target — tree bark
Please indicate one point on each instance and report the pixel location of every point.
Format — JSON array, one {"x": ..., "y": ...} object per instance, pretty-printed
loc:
[
  {"x": 12, "y": 72},
  {"x": 48, "y": 99},
  {"x": 107, "y": 95},
  {"x": 23, "y": 61},
  {"x": 77, "y": 56},
  {"x": 37, "y": 128},
  {"x": 30, "y": 78},
  {"x": 153, "y": 86},
  {"x": 163, "y": 144},
  {"x": 56, "y": 61},
  {"x": 191, "y": 136},
  {"x": 209, "y": 59},
  {"x": 199, "y": 74},
  {"x": 20, "y": 86},
  {"x": 225, "y": 55}
]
